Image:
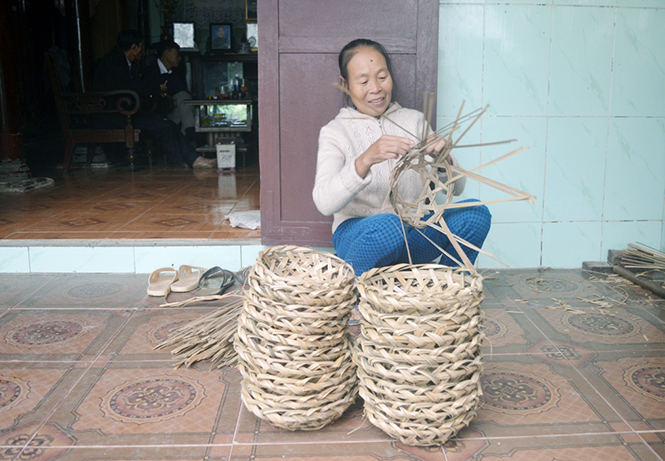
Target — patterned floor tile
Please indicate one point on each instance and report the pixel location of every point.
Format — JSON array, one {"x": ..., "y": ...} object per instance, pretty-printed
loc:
[
  {"x": 536, "y": 285},
  {"x": 624, "y": 292},
  {"x": 47, "y": 450},
  {"x": 533, "y": 395},
  {"x": 616, "y": 328},
  {"x": 23, "y": 443},
  {"x": 80, "y": 379},
  {"x": 636, "y": 386},
  {"x": 149, "y": 328},
  {"x": 15, "y": 288},
  {"x": 89, "y": 291},
  {"x": 356, "y": 451},
  {"x": 29, "y": 391},
  {"x": 505, "y": 330},
  {"x": 163, "y": 202},
  {"x": 56, "y": 334},
  {"x": 595, "y": 447},
  {"x": 659, "y": 447},
  {"x": 149, "y": 404}
]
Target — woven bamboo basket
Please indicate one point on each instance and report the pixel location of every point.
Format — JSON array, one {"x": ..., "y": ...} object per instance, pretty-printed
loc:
[
  {"x": 293, "y": 350},
  {"x": 418, "y": 354}
]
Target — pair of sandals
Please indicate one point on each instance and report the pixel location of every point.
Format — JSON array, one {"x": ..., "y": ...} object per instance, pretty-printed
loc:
[{"x": 214, "y": 281}]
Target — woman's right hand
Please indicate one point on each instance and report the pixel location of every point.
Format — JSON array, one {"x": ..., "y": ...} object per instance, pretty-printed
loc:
[{"x": 385, "y": 148}]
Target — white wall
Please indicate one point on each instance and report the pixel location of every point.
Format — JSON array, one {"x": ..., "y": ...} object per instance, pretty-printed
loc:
[{"x": 582, "y": 83}]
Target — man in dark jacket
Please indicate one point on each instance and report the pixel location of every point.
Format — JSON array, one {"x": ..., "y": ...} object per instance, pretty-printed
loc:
[
  {"x": 118, "y": 70},
  {"x": 162, "y": 79}
]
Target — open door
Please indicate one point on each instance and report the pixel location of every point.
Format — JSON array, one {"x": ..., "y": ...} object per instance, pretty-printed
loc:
[{"x": 299, "y": 43}]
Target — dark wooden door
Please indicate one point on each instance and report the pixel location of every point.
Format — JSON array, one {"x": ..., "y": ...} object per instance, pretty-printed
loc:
[{"x": 299, "y": 41}]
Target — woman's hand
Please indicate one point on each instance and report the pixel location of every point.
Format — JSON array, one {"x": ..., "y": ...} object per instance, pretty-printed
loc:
[
  {"x": 384, "y": 148},
  {"x": 435, "y": 144}
]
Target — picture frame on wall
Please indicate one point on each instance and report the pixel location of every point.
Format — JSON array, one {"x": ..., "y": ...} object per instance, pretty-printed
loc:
[
  {"x": 252, "y": 36},
  {"x": 221, "y": 37},
  {"x": 184, "y": 35},
  {"x": 250, "y": 10}
]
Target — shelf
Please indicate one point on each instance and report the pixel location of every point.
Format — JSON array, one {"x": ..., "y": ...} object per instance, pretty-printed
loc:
[
  {"x": 218, "y": 102},
  {"x": 239, "y": 150},
  {"x": 231, "y": 57},
  {"x": 225, "y": 129}
]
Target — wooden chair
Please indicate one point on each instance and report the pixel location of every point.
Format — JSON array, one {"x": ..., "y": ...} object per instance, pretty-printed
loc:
[{"x": 76, "y": 112}]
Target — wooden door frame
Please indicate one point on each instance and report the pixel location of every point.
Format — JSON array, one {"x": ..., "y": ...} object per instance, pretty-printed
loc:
[{"x": 426, "y": 49}]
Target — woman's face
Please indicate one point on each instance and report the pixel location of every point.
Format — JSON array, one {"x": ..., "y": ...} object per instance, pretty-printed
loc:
[{"x": 369, "y": 83}]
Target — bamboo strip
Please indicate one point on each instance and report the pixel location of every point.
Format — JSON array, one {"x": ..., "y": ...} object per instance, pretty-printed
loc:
[
  {"x": 503, "y": 157},
  {"x": 471, "y": 125}
]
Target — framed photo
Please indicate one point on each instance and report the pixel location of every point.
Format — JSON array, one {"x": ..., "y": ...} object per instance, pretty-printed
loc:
[
  {"x": 250, "y": 10},
  {"x": 183, "y": 35},
  {"x": 220, "y": 37},
  {"x": 253, "y": 36}
]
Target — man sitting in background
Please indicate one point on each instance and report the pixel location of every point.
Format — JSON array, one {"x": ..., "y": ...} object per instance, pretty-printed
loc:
[
  {"x": 159, "y": 79},
  {"x": 118, "y": 70}
]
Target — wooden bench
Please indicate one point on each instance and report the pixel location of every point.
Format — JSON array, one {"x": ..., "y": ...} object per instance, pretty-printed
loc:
[{"x": 77, "y": 112}]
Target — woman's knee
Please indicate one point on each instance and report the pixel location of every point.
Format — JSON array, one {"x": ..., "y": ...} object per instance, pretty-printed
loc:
[
  {"x": 386, "y": 229},
  {"x": 483, "y": 214}
]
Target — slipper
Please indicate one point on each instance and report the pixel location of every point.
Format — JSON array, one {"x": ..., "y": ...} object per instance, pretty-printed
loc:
[
  {"x": 159, "y": 283},
  {"x": 215, "y": 281},
  {"x": 242, "y": 275},
  {"x": 188, "y": 278}
]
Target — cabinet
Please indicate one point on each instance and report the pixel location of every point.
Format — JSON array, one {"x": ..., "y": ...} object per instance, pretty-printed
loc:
[
  {"x": 226, "y": 117},
  {"x": 223, "y": 117}
]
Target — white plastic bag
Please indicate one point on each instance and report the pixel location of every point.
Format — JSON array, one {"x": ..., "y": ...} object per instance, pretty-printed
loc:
[{"x": 245, "y": 219}]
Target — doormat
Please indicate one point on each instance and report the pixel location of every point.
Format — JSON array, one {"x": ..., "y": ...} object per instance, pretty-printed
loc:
[{"x": 26, "y": 185}]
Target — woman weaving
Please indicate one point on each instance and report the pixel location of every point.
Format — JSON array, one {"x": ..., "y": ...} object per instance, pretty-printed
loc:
[{"x": 357, "y": 152}]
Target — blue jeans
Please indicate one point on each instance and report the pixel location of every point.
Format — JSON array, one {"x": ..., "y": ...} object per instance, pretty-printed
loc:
[{"x": 378, "y": 240}]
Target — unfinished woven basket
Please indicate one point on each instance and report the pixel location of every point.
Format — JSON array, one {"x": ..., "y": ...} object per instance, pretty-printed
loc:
[
  {"x": 418, "y": 355},
  {"x": 293, "y": 350}
]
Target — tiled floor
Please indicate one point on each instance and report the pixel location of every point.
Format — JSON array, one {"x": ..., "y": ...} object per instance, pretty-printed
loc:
[
  {"x": 116, "y": 204},
  {"x": 574, "y": 370}
]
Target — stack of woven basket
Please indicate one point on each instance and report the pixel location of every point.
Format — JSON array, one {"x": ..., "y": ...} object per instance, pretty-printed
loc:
[
  {"x": 292, "y": 345},
  {"x": 418, "y": 354}
]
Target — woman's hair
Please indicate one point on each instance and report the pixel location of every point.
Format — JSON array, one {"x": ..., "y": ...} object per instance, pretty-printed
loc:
[{"x": 350, "y": 50}]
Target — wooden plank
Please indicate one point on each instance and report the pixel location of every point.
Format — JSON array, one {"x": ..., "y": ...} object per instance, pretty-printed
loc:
[
  {"x": 268, "y": 69},
  {"x": 427, "y": 53},
  {"x": 333, "y": 45},
  {"x": 348, "y": 18}
]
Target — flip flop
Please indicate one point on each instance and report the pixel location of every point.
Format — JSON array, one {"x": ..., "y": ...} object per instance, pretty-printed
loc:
[
  {"x": 215, "y": 281},
  {"x": 188, "y": 278},
  {"x": 242, "y": 275},
  {"x": 159, "y": 283}
]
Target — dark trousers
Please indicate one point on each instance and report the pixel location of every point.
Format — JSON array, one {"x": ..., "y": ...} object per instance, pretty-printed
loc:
[{"x": 165, "y": 132}]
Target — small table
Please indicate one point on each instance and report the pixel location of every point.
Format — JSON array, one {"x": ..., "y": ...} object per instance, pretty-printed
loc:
[{"x": 219, "y": 116}]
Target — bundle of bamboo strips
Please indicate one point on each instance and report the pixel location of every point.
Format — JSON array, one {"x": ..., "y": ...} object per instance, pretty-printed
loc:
[
  {"x": 207, "y": 338},
  {"x": 649, "y": 261},
  {"x": 642, "y": 257}
]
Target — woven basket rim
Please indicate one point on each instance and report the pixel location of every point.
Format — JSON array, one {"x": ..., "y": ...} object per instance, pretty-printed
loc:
[{"x": 343, "y": 269}]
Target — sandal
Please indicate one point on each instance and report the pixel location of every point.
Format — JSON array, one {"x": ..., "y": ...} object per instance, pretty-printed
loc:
[
  {"x": 242, "y": 275},
  {"x": 159, "y": 283},
  {"x": 188, "y": 278},
  {"x": 215, "y": 281}
]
